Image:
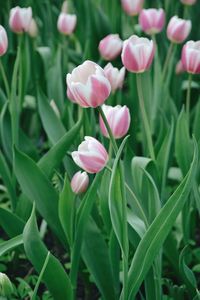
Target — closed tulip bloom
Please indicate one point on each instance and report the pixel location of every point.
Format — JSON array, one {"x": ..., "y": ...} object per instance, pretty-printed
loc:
[
  {"x": 178, "y": 29},
  {"x": 66, "y": 23},
  {"x": 91, "y": 155},
  {"x": 79, "y": 182},
  {"x": 20, "y": 19},
  {"x": 110, "y": 47},
  {"x": 152, "y": 20},
  {"x": 132, "y": 7},
  {"x": 137, "y": 54},
  {"x": 87, "y": 85},
  {"x": 188, "y": 2},
  {"x": 115, "y": 76},
  {"x": 118, "y": 118},
  {"x": 191, "y": 57},
  {"x": 3, "y": 41}
]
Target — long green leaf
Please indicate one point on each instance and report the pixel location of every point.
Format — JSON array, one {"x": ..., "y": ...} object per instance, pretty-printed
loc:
[
  {"x": 54, "y": 156},
  {"x": 38, "y": 189},
  {"x": 10, "y": 244},
  {"x": 54, "y": 276},
  {"x": 158, "y": 231},
  {"x": 11, "y": 223},
  {"x": 96, "y": 257}
]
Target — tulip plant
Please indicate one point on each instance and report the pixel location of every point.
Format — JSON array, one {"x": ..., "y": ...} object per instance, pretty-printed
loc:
[{"x": 99, "y": 147}]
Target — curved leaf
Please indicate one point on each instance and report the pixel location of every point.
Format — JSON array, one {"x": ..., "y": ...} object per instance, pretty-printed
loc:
[
  {"x": 38, "y": 189},
  {"x": 153, "y": 239},
  {"x": 54, "y": 276}
]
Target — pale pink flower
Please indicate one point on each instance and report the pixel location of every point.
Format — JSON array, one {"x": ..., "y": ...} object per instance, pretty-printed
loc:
[
  {"x": 66, "y": 23},
  {"x": 3, "y": 41},
  {"x": 178, "y": 29},
  {"x": 152, "y": 20},
  {"x": 110, "y": 46},
  {"x": 115, "y": 76},
  {"x": 191, "y": 57},
  {"x": 20, "y": 19},
  {"x": 79, "y": 182},
  {"x": 132, "y": 7}
]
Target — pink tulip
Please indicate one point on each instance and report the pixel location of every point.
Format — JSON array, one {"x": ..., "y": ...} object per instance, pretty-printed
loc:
[
  {"x": 191, "y": 57},
  {"x": 88, "y": 85},
  {"x": 3, "y": 41},
  {"x": 137, "y": 54},
  {"x": 118, "y": 118},
  {"x": 188, "y": 2},
  {"x": 178, "y": 29},
  {"x": 66, "y": 23},
  {"x": 115, "y": 76},
  {"x": 152, "y": 20},
  {"x": 20, "y": 19},
  {"x": 91, "y": 155},
  {"x": 179, "y": 68},
  {"x": 110, "y": 47},
  {"x": 132, "y": 7},
  {"x": 79, "y": 182}
]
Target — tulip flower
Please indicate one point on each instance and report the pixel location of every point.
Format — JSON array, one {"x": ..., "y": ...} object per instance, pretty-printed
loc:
[
  {"x": 91, "y": 155},
  {"x": 3, "y": 41},
  {"x": 152, "y": 20},
  {"x": 115, "y": 76},
  {"x": 79, "y": 182},
  {"x": 132, "y": 7},
  {"x": 110, "y": 47},
  {"x": 20, "y": 19},
  {"x": 178, "y": 29},
  {"x": 118, "y": 118},
  {"x": 137, "y": 54},
  {"x": 191, "y": 57},
  {"x": 188, "y": 2},
  {"x": 87, "y": 85},
  {"x": 66, "y": 23}
]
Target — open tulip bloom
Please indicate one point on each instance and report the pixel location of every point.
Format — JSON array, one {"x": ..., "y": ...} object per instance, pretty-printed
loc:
[
  {"x": 99, "y": 159},
  {"x": 87, "y": 85}
]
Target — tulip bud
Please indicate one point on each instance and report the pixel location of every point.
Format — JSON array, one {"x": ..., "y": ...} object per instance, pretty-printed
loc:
[
  {"x": 137, "y": 54},
  {"x": 191, "y": 57},
  {"x": 66, "y": 23},
  {"x": 152, "y": 20},
  {"x": 110, "y": 47},
  {"x": 20, "y": 19},
  {"x": 87, "y": 85},
  {"x": 179, "y": 68},
  {"x": 6, "y": 287},
  {"x": 3, "y": 41},
  {"x": 118, "y": 118},
  {"x": 91, "y": 155},
  {"x": 188, "y": 2},
  {"x": 33, "y": 29},
  {"x": 178, "y": 29},
  {"x": 132, "y": 7},
  {"x": 79, "y": 182},
  {"x": 115, "y": 76}
]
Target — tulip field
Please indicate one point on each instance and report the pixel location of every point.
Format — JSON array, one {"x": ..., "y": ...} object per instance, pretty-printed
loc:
[{"x": 99, "y": 150}]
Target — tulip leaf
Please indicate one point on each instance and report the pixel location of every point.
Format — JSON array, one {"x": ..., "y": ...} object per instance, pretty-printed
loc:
[
  {"x": 82, "y": 216},
  {"x": 10, "y": 244},
  {"x": 38, "y": 189},
  {"x": 11, "y": 223},
  {"x": 67, "y": 211},
  {"x": 96, "y": 257},
  {"x": 156, "y": 234},
  {"x": 54, "y": 156},
  {"x": 51, "y": 123},
  {"x": 54, "y": 276}
]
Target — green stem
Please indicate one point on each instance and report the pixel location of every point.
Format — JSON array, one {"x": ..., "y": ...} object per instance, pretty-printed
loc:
[
  {"x": 125, "y": 247},
  {"x": 144, "y": 117},
  {"x": 188, "y": 98},
  {"x": 5, "y": 80},
  {"x": 167, "y": 60},
  {"x": 114, "y": 144}
]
